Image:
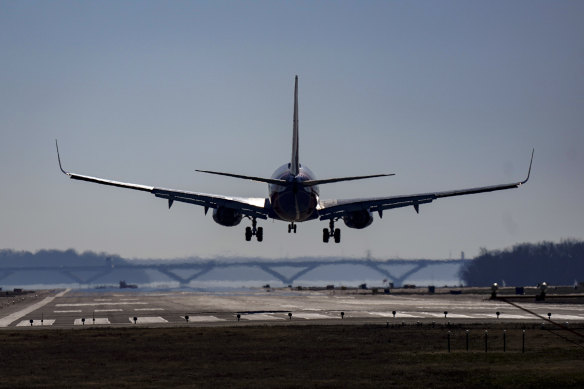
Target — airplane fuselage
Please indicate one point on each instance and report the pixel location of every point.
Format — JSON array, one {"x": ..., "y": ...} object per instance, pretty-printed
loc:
[{"x": 294, "y": 203}]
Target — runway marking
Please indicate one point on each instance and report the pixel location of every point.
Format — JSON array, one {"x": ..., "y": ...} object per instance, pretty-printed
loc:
[
  {"x": 99, "y": 304},
  {"x": 401, "y": 315},
  {"x": 382, "y": 314},
  {"x": 71, "y": 311},
  {"x": 6, "y": 321},
  {"x": 108, "y": 310},
  {"x": 89, "y": 321},
  {"x": 431, "y": 314},
  {"x": 148, "y": 320},
  {"x": 565, "y": 317},
  {"x": 133, "y": 299},
  {"x": 102, "y": 299},
  {"x": 36, "y": 323},
  {"x": 507, "y": 316},
  {"x": 203, "y": 318},
  {"x": 310, "y": 316},
  {"x": 260, "y": 316},
  {"x": 458, "y": 316},
  {"x": 148, "y": 309}
]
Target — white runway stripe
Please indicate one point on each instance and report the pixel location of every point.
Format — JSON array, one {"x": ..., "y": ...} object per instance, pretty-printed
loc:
[
  {"x": 203, "y": 318},
  {"x": 99, "y": 304},
  {"x": 380, "y": 314},
  {"x": 565, "y": 317},
  {"x": 311, "y": 316},
  {"x": 458, "y": 316},
  {"x": 148, "y": 320},
  {"x": 405, "y": 315},
  {"x": 36, "y": 323},
  {"x": 431, "y": 314},
  {"x": 72, "y": 311},
  {"x": 260, "y": 316},
  {"x": 89, "y": 321},
  {"x": 508, "y": 316},
  {"x": 148, "y": 309}
]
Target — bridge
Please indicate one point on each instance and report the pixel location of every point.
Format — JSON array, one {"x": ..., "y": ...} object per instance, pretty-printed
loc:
[{"x": 286, "y": 271}]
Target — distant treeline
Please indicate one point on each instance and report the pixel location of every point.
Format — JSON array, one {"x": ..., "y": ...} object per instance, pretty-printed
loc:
[
  {"x": 54, "y": 267},
  {"x": 12, "y": 258},
  {"x": 47, "y": 258},
  {"x": 527, "y": 264}
]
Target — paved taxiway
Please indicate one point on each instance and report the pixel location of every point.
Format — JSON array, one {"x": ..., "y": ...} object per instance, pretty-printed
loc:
[{"x": 71, "y": 308}]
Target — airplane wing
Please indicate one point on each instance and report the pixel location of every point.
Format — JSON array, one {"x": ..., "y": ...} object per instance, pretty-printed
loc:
[
  {"x": 334, "y": 209},
  {"x": 248, "y": 206}
]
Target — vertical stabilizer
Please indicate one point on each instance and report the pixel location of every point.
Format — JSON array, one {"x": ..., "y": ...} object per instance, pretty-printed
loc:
[{"x": 294, "y": 163}]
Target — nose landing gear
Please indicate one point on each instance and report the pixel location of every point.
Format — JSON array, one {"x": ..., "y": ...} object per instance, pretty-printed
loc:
[
  {"x": 292, "y": 227},
  {"x": 327, "y": 233},
  {"x": 258, "y": 232}
]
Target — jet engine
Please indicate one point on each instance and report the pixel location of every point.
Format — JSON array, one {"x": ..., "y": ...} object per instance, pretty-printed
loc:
[
  {"x": 358, "y": 219},
  {"x": 228, "y": 217}
]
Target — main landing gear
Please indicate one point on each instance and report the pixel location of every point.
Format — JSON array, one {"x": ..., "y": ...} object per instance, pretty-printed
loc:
[
  {"x": 254, "y": 230},
  {"x": 331, "y": 232},
  {"x": 292, "y": 227}
]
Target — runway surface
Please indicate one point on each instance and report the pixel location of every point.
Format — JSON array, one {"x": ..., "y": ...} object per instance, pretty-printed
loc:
[{"x": 75, "y": 308}]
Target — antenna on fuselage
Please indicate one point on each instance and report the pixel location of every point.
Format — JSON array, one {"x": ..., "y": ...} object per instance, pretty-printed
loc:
[{"x": 294, "y": 162}]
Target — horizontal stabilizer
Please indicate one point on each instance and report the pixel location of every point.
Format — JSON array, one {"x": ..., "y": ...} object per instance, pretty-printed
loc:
[
  {"x": 331, "y": 180},
  {"x": 274, "y": 181}
]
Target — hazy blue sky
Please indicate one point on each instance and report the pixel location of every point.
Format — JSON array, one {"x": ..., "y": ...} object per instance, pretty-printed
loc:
[{"x": 447, "y": 95}]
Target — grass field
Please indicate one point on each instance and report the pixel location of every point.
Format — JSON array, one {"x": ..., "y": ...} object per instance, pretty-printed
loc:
[{"x": 291, "y": 356}]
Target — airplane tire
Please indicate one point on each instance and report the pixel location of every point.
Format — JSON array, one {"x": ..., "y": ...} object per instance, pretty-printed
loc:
[
  {"x": 325, "y": 235},
  {"x": 248, "y": 233},
  {"x": 294, "y": 228},
  {"x": 338, "y": 235},
  {"x": 260, "y": 234}
]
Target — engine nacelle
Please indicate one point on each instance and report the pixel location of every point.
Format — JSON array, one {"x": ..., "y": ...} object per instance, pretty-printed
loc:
[
  {"x": 358, "y": 219},
  {"x": 228, "y": 217}
]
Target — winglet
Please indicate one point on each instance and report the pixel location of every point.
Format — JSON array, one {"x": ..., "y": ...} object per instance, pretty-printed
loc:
[
  {"x": 529, "y": 171},
  {"x": 294, "y": 163},
  {"x": 59, "y": 158}
]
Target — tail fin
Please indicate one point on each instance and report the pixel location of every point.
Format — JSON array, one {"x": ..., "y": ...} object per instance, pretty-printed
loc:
[{"x": 294, "y": 162}]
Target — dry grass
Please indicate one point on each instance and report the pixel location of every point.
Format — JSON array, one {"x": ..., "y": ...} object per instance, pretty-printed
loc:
[{"x": 287, "y": 356}]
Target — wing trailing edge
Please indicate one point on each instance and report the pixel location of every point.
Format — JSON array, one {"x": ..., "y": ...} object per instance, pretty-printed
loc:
[
  {"x": 249, "y": 206},
  {"x": 334, "y": 209}
]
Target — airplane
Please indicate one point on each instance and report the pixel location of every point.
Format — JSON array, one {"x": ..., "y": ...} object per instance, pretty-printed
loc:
[{"x": 294, "y": 196}]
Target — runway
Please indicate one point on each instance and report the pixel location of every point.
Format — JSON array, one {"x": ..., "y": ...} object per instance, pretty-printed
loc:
[{"x": 130, "y": 307}]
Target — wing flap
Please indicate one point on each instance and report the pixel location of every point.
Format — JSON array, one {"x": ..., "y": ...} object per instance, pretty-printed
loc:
[
  {"x": 253, "y": 207},
  {"x": 249, "y": 206},
  {"x": 332, "y": 209},
  {"x": 338, "y": 208}
]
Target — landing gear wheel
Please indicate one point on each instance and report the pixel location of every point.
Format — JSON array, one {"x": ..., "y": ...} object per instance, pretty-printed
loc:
[
  {"x": 331, "y": 232},
  {"x": 254, "y": 230},
  {"x": 325, "y": 235},
  {"x": 292, "y": 227},
  {"x": 260, "y": 234}
]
